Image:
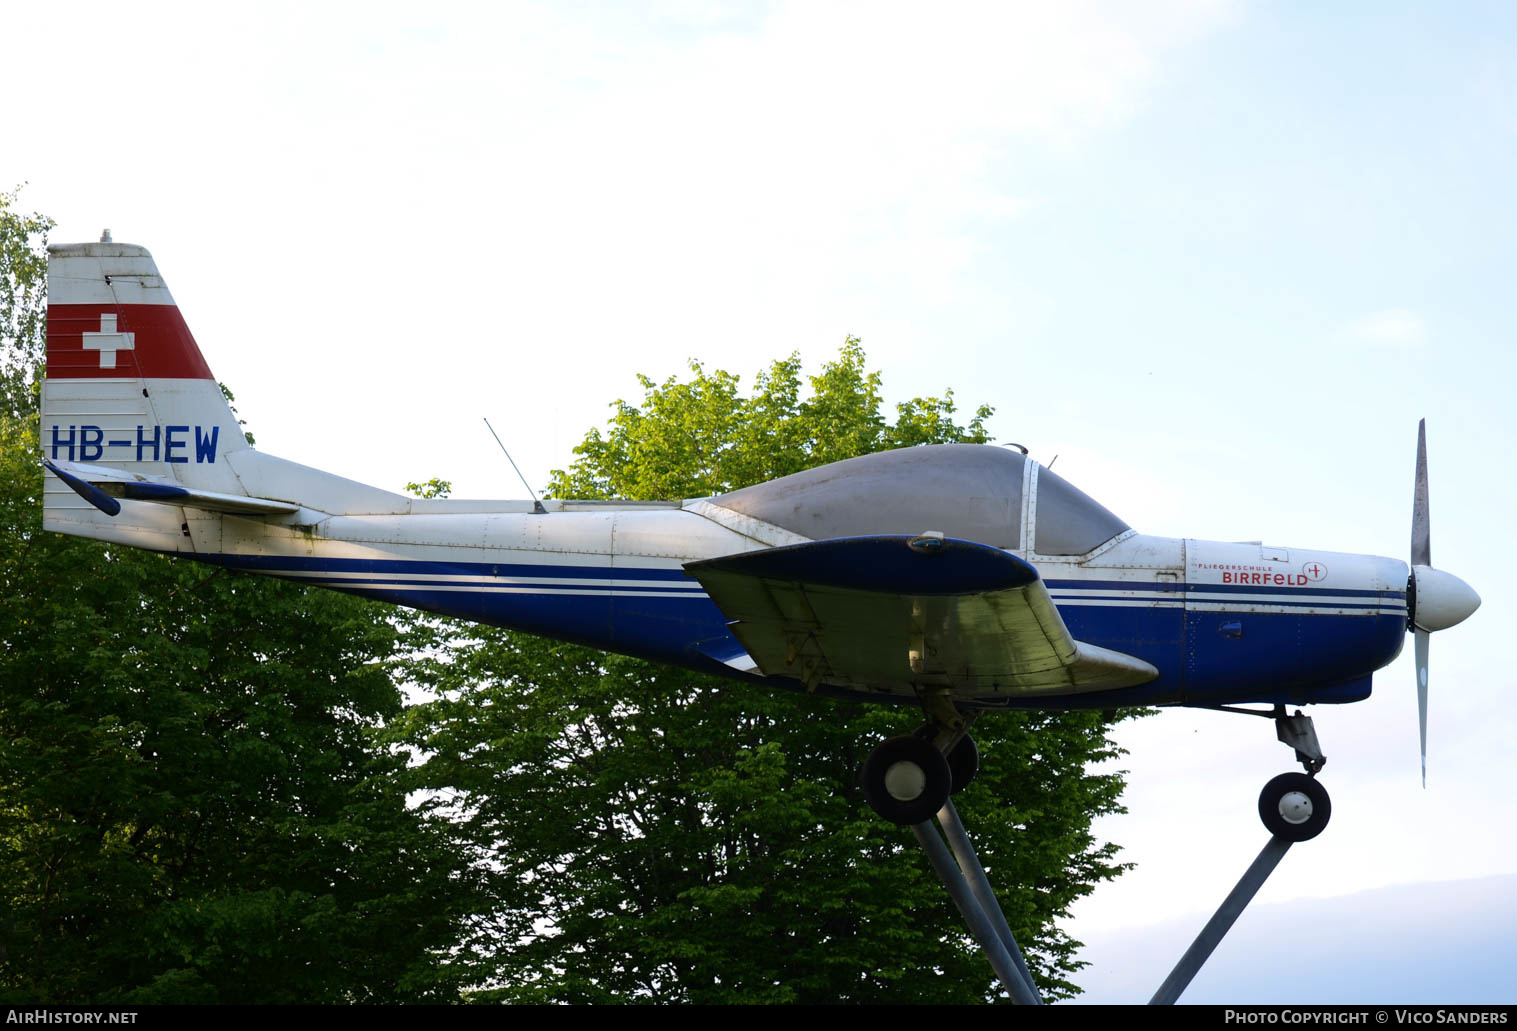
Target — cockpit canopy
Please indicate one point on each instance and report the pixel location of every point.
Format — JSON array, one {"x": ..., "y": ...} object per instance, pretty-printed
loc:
[{"x": 970, "y": 491}]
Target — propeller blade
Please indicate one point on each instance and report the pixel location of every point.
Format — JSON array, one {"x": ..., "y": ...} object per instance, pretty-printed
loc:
[
  {"x": 1436, "y": 600},
  {"x": 1422, "y": 555},
  {"x": 1420, "y": 645},
  {"x": 1422, "y": 549}
]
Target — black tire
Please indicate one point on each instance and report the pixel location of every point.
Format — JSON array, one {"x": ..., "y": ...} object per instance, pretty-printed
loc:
[
  {"x": 1295, "y": 807},
  {"x": 926, "y": 787},
  {"x": 963, "y": 763}
]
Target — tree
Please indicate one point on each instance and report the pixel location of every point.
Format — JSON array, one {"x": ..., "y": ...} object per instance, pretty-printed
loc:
[
  {"x": 23, "y": 305},
  {"x": 660, "y": 835},
  {"x": 194, "y": 805}
]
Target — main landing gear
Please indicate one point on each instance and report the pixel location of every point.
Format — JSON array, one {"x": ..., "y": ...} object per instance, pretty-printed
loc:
[
  {"x": 910, "y": 780},
  {"x": 907, "y": 779}
]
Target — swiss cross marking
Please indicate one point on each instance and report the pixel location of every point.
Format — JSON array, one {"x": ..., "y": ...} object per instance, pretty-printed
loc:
[{"x": 108, "y": 341}]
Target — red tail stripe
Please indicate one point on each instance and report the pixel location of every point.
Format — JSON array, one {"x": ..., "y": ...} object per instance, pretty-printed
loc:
[{"x": 162, "y": 347}]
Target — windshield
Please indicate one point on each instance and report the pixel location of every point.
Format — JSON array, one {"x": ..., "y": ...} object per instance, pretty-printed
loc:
[{"x": 1068, "y": 522}]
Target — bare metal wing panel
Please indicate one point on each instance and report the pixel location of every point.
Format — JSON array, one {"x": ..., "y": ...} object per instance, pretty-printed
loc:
[{"x": 897, "y": 613}]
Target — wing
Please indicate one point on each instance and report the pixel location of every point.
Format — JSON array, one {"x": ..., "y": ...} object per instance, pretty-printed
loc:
[
  {"x": 101, "y": 485},
  {"x": 898, "y": 612}
]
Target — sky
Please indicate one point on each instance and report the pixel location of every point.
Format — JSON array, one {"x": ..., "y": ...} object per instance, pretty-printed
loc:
[
  {"x": 1416, "y": 946},
  {"x": 1216, "y": 258}
]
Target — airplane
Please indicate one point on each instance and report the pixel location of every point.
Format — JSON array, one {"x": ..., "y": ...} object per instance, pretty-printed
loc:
[{"x": 964, "y": 578}]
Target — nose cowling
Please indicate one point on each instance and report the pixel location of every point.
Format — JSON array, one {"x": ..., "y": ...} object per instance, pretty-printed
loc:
[{"x": 1440, "y": 600}]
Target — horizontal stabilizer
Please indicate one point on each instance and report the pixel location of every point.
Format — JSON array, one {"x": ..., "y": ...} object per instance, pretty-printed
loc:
[
  {"x": 899, "y": 612},
  {"x": 101, "y": 485}
]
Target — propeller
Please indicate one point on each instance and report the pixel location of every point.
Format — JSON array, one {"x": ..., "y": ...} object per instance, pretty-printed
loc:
[{"x": 1436, "y": 600}]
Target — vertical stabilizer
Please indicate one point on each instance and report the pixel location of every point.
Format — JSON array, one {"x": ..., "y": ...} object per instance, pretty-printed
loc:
[
  {"x": 127, "y": 388},
  {"x": 126, "y": 385}
]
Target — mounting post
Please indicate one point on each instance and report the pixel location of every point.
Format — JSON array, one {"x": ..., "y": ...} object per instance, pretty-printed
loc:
[
  {"x": 966, "y": 883},
  {"x": 1221, "y": 922}
]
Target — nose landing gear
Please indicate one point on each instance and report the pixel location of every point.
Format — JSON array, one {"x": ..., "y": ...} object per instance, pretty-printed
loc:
[{"x": 1295, "y": 806}]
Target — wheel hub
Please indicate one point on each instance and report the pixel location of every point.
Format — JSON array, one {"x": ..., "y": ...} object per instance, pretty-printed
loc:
[
  {"x": 905, "y": 781},
  {"x": 1295, "y": 807}
]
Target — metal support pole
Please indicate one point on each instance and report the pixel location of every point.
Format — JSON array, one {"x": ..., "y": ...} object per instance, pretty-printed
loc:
[
  {"x": 969, "y": 863},
  {"x": 1221, "y": 922},
  {"x": 980, "y": 925}
]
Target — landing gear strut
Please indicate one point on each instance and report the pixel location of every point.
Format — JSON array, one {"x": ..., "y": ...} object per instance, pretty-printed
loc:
[{"x": 1297, "y": 732}]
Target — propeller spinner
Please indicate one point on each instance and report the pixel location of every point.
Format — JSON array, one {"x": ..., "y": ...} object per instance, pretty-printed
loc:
[{"x": 1436, "y": 600}]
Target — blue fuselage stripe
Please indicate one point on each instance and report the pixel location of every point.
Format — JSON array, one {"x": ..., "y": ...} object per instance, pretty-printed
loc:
[
  {"x": 385, "y": 570},
  {"x": 1213, "y": 643}
]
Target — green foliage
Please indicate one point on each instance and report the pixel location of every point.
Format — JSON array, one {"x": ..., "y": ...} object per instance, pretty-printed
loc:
[
  {"x": 433, "y": 488},
  {"x": 23, "y": 306},
  {"x": 701, "y": 437},
  {"x": 659, "y": 835},
  {"x": 193, "y": 803},
  {"x": 231, "y": 402}
]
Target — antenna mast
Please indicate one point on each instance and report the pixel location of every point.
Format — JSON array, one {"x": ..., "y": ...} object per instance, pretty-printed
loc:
[{"x": 537, "y": 506}]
